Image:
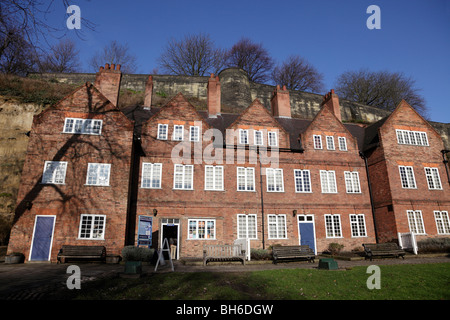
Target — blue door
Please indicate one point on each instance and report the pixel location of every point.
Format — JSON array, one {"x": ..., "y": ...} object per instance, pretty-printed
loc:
[
  {"x": 307, "y": 234},
  {"x": 42, "y": 240}
]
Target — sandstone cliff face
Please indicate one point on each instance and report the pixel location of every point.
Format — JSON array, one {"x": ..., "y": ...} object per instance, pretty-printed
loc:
[{"x": 15, "y": 122}]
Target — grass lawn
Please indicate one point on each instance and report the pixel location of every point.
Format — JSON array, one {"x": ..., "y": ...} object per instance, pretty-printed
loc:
[{"x": 402, "y": 282}]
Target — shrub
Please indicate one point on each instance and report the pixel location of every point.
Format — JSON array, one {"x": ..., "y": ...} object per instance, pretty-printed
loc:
[
  {"x": 434, "y": 245},
  {"x": 132, "y": 253},
  {"x": 260, "y": 254},
  {"x": 335, "y": 248}
]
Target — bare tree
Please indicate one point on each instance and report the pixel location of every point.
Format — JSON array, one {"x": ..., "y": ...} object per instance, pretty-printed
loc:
[
  {"x": 251, "y": 57},
  {"x": 18, "y": 57},
  {"x": 63, "y": 57},
  {"x": 380, "y": 89},
  {"x": 115, "y": 53},
  {"x": 297, "y": 74},
  {"x": 194, "y": 55}
]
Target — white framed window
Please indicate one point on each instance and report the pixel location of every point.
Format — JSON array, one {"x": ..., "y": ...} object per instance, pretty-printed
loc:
[
  {"x": 330, "y": 142},
  {"x": 258, "y": 138},
  {"x": 246, "y": 226},
  {"x": 194, "y": 133},
  {"x": 151, "y": 175},
  {"x": 183, "y": 177},
  {"x": 54, "y": 172},
  {"x": 302, "y": 180},
  {"x": 243, "y": 136},
  {"x": 358, "y": 225},
  {"x": 98, "y": 174},
  {"x": 92, "y": 226},
  {"x": 317, "y": 141},
  {"x": 272, "y": 138},
  {"x": 277, "y": 226},
  {"x": 245, "y": 179},
  {"x": 328, "y": 181},
  {"x": 415, "y": 138},
  {"x": 274, "y": 179},
  {"x": 442, "y": 222},
  {"x": 214, "y": 178},
  {"x": 83, "y": 126},
  {"x": 433, "y": 179},
  {"x": 342, "y": 143},
  {"x": 201, "y": 229},
  {"x": 333, "y": 226},
  {"x": 162, "y": 131},
  {"x": 178, "y": 132},
  {"x": 352, "y": 182},
  {"x": 407, "y": 177},
  {"x": 415, "y": 222}
]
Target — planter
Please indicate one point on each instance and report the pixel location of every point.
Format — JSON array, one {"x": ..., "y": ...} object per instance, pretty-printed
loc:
[
  {"x": 112, "y": 259},
  {"x": 133, "y": 267},
  {"x": 14, "y": 258}
]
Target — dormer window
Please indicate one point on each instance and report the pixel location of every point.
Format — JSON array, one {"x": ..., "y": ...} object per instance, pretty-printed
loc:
[{"x": 83, "y": 126}]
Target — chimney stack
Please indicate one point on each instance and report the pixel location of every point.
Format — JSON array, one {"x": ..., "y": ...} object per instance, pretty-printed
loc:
[
  {"x": 213, "y": 96},
  {"x": 148, "y": 93},
  {"x": 331, "y": 100},
  {"x": 107, "y": 81},
  {"x": 281, "y": 103}
]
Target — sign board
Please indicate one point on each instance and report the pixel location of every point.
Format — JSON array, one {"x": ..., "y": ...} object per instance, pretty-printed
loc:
[{"x": 145, "y": 231}]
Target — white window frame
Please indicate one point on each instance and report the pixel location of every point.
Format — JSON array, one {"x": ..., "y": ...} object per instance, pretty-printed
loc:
[
  {"x": 277, "y": 226},
  {"x": 272, "y": 139},
  {"x": 342, "y": 143},
  {"x": 358, "y": 225},
  {"x": 194, "y": 133},
  {"x": 176, "y": 134},
  {"x": 92, "y": 234},
  {"x": 195, "y": 236},
  {"x": 352, "y": 184},
  {"x": 274, "y": 180},
  {"x": 407, "y": 179},
  {"x": 243, "y": 136},
  {"x": 83, "y": 126},
  {"x": 162, "y": 135},
  {"x": 317, "y": 138},
  {"x": 333, "y": 226},
  {"x": 248, "y": 182},
  {"x": 57, "y": 173},
  {"x": 185, "y": 183},
  {"x": 150, "y": 174},
  {"x": 257, "y": 133},
  {"x": 100, "y": 167},
  {"x": 330, "y": 143},
  {"x": 299, "y": 181},
  {"x": 442, "y": 222},
  {"x": 216, "y": 186},
  {"x": 328, "y": 181},
  {"x": 433, "y": 178},
  {"x": 415, "y": 221},
  {"x": 245, "y": 229},
  {"x": 414, "y": 138}
]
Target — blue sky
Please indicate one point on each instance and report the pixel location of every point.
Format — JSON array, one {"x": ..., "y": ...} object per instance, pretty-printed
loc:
[{"x": 331, "y": 34}]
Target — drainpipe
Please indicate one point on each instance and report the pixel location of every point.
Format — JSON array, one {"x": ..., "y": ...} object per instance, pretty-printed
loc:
[
  {"x": 363, "y": 156},
  {"x": 445, "y": 161},
  {"x": 262, "y": 203}
]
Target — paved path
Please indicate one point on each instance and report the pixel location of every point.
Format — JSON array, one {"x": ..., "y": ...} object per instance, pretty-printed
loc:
[{"x": 32, "y": 281}]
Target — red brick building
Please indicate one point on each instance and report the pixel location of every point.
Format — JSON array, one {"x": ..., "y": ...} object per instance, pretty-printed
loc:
[{"x": 97, "y": 175}]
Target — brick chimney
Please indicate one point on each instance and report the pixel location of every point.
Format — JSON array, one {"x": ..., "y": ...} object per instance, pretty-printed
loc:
[
  {"x": 213, "y": 96},
  {"x": 281, "y": 103},
  {"x": 331, "y": 100},
  {"x": 148, "y": 93},
  {"x": 107, "y": 81}
]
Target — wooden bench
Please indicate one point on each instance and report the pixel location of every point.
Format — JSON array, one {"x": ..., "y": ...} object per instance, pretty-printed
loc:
[
  {"x": 223, "y": 253},
  {"x": 293, "y": 253},
  {"x": 383, "y": 249},
  {"x": 81, "y": 252}
]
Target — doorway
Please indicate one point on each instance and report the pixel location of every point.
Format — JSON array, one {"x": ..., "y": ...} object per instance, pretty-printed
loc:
[
  {"x": 307, "y": 231},
  {"x": 41, "y": 243},
  {"x": 171, "y": 231}
]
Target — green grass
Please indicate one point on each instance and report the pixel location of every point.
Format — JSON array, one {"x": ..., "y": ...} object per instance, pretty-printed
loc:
[{"x": 398, "y": 282}]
